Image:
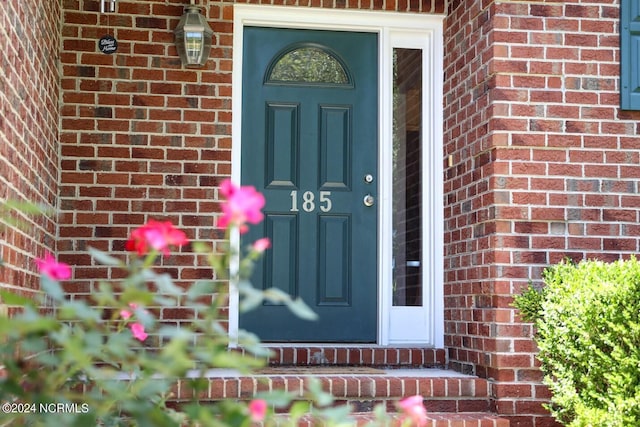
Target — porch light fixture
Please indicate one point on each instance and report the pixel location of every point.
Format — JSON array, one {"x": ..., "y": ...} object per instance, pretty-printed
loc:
[{"x": 193, "y": 37}]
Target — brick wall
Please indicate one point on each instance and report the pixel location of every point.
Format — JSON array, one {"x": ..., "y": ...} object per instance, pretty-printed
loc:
[
  {"x": 142, "y": 137},
  {"x": 29, "y": 119},
  {"x": 544, "y": 163},
  {"x": 545, "y": 166}
]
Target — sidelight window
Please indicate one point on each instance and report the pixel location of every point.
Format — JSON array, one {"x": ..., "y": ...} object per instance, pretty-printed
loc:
[
  {"x": 414, "y": 158},
  {"x": 407, "y": 177}
]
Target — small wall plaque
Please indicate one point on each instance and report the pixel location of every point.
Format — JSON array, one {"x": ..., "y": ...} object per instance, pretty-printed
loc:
[{"x": 108, "y": 44}]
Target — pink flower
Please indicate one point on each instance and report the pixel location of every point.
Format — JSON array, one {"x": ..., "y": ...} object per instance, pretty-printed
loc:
[
  {"x": 137, "y": 329},
  {"x": 126, "y": 314},
  {"x": 413, "y": 410},
  {"x": 155, "y": 235},
  {"x": 243, "y": 205},
  {"x": 53, "y": 269},
  {"x": 262, "y": 245},
  {"x": 257, "y": 410}
]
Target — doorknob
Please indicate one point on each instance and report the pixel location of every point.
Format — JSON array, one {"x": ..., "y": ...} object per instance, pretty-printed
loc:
[{"x": 368, "y": 200}]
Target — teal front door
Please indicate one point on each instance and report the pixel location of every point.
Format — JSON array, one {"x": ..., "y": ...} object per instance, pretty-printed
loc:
[{"x": 310, "y": 144}]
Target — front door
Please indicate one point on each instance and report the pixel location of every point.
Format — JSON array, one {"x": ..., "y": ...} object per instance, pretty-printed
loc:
[{"x": 310, "y": 144}]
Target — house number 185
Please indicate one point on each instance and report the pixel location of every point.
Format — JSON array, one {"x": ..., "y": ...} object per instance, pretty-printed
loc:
[{"x": 308, "y": 201}]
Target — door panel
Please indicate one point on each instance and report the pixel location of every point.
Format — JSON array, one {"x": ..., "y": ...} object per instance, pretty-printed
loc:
[
  {"x": 335, "y": 146},
  {"x": 282, "y": 230},
  {"x": 282, "y": 144},
  {"x": 335, "y": 260},
  {"x": 309, "y": 137}
]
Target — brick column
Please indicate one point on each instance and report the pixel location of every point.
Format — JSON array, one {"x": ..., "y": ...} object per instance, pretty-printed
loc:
[
  {"x": 29, "y": 138},
  {"x": 545, "y": 166}
]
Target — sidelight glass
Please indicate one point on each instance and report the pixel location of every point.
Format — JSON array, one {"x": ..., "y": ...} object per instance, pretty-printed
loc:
[{"x": 407, "y": 177}]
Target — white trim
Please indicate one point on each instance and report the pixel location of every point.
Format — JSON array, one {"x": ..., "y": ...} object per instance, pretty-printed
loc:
[
  {"x": 394, "y": 30},
  {"x": 422, "y": 324}
]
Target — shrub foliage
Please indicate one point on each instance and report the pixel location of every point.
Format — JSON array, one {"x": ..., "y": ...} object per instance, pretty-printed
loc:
[{"x": 588, "y": 333}]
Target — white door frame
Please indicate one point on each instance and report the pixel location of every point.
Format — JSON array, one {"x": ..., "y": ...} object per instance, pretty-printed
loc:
[{"x": 395, "y": 30}]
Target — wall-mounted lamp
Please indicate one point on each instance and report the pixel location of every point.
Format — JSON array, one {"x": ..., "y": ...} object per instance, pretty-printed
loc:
[
  {"x": 193, "y": 37},
  {"x": 112, "y": 5}
]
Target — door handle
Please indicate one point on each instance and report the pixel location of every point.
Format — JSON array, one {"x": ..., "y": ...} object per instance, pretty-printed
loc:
[{"x": 368, "y": 200}]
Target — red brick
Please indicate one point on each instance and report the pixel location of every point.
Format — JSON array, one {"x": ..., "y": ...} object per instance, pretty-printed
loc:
[{"x": 570, "y": 121}]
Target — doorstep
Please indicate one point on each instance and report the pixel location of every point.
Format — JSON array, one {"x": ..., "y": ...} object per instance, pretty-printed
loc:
[
  {"x": 441, "y": 389},
  {"x": 356, "y": 355},
  {"x": 433, "y": 419},
  {"x": 362, "y": 376}
]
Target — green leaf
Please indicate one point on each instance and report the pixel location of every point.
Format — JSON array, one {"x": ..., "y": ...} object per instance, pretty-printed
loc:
[
  {"x": 42, "y": 325},
  {"x": 105, "y": 259},
  {"x": 201, "y": 288},
  {"x": 34, "y": 345},
  {"x": 337, "y": 414},
  {"x": 153, "y": 387},
  {"x": 145, "y": 317},
  {"x": 77, "y": 309},
  {"x": 175, "y": 353},
  {"x": 28, "y": 322},
  {"x": 93, "y": 342},
  {"x": 88, "y": 419},
  {"x": 226, "y": 359},
  {"x": 277, "y": 398},
  {"x": 10, "y": 298},
  {"x": 199, "y": 384},
  {"x": 250, "y": 301},
  {"x": 380, "y": 411},
  {"x": 165, "y": 284},
  {"x": 165, "y": 301},
  {"x": 252, "y": 297},
  {"x": 105, "y": 296},
  {"x": 136, "y": 295},
  {"x": 201, "y": 247},
  {"x": 174, "y": 332},
  {"x": 52, "y": 288},
  {"x": 28, "y": 208},
  {"x": 252, "y": 345},
  {"x": 319, "y": 396},
  {"x": 118, "y": 344},
  {"x": 48, "y": 358},
  {"x": 275, "y": 295},
  {"x": 299, "y": 409},
  {"x": 302, "y": 310}
]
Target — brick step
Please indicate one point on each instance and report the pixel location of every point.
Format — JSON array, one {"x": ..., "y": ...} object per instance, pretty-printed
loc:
[
  {"x": 408, "y": 357},
  {"x": 434, "y": 419},
  {"x": 443, "y": 391}
]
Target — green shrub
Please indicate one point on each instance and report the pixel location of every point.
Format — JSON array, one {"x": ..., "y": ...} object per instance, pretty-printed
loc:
[{"x": 588, "y": 333}]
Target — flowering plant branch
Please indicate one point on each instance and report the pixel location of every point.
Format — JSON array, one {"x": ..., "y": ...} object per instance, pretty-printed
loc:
[{"x": 108, "y": 359}]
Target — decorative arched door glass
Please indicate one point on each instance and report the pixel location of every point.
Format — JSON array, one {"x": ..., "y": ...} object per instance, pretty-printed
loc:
[{"x": 308, "y": 64}]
